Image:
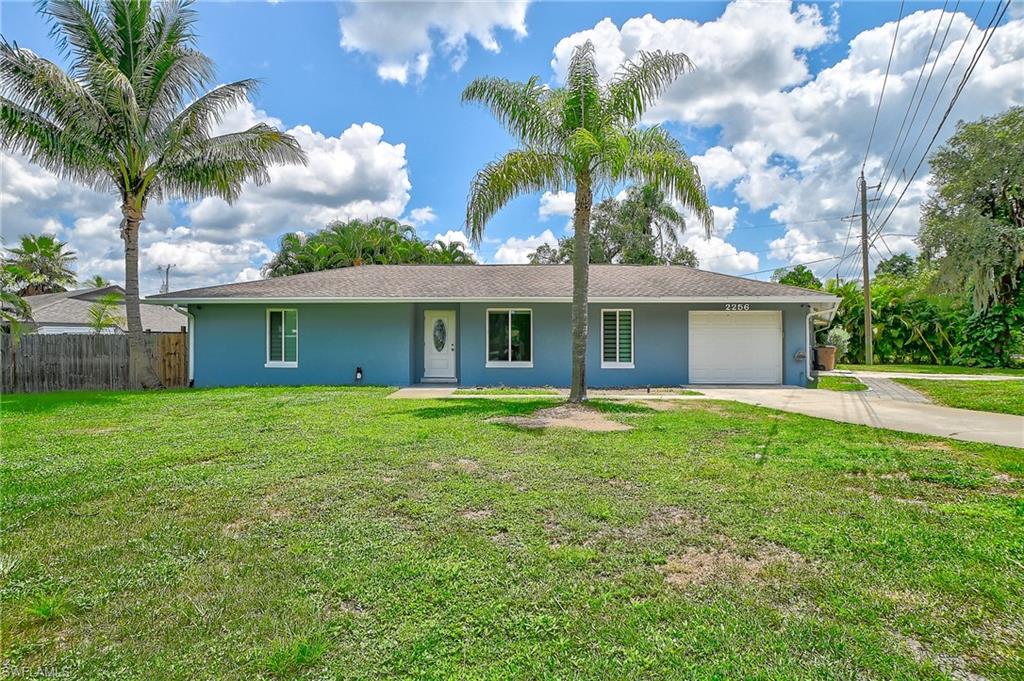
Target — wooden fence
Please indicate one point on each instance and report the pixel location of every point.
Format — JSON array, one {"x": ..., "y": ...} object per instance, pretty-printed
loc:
[{"x": 87, "y": 361}]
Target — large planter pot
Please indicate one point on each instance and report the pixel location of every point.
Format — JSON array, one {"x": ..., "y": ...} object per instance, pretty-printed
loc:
[{"x": 825, "y": 357}]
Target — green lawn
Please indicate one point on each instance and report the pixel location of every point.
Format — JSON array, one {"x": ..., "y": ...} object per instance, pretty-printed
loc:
[
  {"x": 840, "y": 383},
  {"x": 1002, "y": 396},
  {"x": 930, "y": 369},
  {"x": 506, "y": 390},
  {"x": 328, "y": 532}
]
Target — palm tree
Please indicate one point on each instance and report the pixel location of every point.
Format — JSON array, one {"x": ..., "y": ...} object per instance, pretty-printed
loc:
[
  {"x": 14, "y": 310},
  {"x": 451, "y": 253},
  {"x": 45, "y": 264},
  {"x": 648, "y": 208},
  {"x": 583, "y": 136},
  {"x": 103, "y": 313},
  {"x": 121, "y": 119},
  {"x": 96, "y": 281}
]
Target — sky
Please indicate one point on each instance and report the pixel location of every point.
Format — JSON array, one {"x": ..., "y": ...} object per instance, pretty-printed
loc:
[{"x": 777, "y": 116}]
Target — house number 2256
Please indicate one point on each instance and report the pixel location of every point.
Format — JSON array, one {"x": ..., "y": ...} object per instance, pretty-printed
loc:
[{"x": 737, "y": 307}]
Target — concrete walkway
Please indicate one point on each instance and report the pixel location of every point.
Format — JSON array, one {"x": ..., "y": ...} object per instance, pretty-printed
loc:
[
  {"x": 847, "y": 407},
  {"x": 884, "y": 388},
  {"x": 910, "y": 417},
  {"x": 926, "y": 377}
]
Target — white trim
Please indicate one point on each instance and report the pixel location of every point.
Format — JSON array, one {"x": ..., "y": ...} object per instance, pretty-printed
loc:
[
  {"x": 508, "y": 364},
  {"x": 281, "y": 364},
  {"x": 632, "y": 338},
  {"x": 831, "y": 300}
]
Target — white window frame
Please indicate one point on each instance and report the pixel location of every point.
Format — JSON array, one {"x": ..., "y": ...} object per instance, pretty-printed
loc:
[
  {"x": 272, "y": 364},
  {"x": 632, "y": 336},
  {"x": 506, "y": 364}
]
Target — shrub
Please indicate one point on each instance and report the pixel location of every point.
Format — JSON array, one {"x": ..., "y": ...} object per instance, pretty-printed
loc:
[{"x": 840, "y": 338}]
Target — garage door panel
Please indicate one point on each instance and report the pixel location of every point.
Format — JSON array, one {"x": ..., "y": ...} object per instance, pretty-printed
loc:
[{"x": 735, "y": 347}]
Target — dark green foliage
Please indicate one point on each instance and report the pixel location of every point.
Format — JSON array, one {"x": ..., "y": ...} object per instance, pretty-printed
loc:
[
  {"x": 381, "y": 241},
  {"x": 973, "y": 223},
  {"x": 796, "y": 276},
  {"x": 641, "y": 229},
  {"x": 899, "y": 265}
]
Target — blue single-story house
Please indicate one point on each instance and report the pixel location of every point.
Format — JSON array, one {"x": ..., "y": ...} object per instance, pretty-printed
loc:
[{"x": 500, "y": 325}]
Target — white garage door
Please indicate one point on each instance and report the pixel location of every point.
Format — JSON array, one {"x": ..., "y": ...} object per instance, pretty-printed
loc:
[{"x": 736, "y": 347}]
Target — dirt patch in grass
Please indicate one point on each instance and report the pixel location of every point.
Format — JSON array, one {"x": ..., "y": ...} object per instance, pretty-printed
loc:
[
  {"x": 566, "y": 416},
  {"x": 236, "y": 528},
  {"x": 697, "y": 566},
  {"x": 476, "y": 514},
  {"x": 953, "y": 665},
  {"x": 468, "y": 465}
]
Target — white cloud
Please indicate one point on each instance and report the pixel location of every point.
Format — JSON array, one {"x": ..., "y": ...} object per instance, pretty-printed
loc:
[
  {"x": 403, "y": 37},
  {"x": 793, "y": 142},
  {"x": 456, "y": 236},
  {"x": 556, "y": 203},
  {"x": 718, "y": 167},
  {"x": 725, "y": 220},
  {"x": 198, "y": 263},
  {"x": 421, "y": 216},
  {"x": 354, "y": 175},
  {"x": 515, "y": 250},
  {"x": 717, "y": 255}
]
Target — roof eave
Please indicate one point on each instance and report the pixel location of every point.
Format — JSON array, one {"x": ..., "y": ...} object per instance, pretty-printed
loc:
[{"x": 824, "y": 299}]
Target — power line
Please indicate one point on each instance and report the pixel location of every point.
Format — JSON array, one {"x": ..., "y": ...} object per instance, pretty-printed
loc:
[
  {"x": 885, "y": 81},
  {"x": 789, "y": 267},
  {"x": 893, "y": 152},
  {"x": 990, "y": 30}
]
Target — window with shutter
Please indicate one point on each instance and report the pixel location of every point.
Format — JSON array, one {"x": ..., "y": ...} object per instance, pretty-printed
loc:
[{"x": 617, "y": 339}]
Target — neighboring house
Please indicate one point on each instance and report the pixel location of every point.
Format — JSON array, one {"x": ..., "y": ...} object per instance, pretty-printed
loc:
[
  {"x": 68, "y": 312},
  {"x": 500, "y": 324}
]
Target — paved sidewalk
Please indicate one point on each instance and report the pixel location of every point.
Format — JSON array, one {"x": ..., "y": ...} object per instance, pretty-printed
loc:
[
  {"x": 927, "y": 377},
  {"x": 887, "y": 389}
]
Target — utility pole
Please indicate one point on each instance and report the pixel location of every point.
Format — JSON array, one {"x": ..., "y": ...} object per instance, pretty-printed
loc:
[
  {"x": 166, "y": 271},
  {"x": 869, "y": 350}
]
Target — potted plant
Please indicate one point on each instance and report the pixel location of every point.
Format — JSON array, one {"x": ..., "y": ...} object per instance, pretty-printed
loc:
[{"x": 837, "y": 342}]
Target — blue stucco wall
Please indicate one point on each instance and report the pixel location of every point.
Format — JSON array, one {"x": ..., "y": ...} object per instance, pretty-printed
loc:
[
  {"x": 230, "y": 345},
  {"x": 386, "y": 340}
]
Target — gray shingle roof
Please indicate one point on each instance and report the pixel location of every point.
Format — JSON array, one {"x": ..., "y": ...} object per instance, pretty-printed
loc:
[
  {"x": 71, "y": 308},
  {"x": 495, "y": 282}
]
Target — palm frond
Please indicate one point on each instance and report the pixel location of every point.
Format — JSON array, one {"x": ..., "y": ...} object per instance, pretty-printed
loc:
[
  {"x": 130, "y": 22},
  {"x": 518, "y": 172},
  {"x": 219, "y": 166},
  {"x": 46, "y": 144},
  {"x": 582, "y": 103},
  {"x": 41, "y": 86},
  {"x": 641, "y": 81},
  {"x": 519, "y": 107},
  {"x": 196, "y": 120},
  {"x": 82, "y": 31},
  {"x": 657, "y": 158}
]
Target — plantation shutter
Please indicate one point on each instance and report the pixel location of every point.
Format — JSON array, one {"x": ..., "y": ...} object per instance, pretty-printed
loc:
[
  {"x": 617, "y": 336},
  {"x": 610, "y": 336},
  {"x": 291, "y": 335},
  {"x": 626, "y": 336},
  {"x": 275, "y": 328}
]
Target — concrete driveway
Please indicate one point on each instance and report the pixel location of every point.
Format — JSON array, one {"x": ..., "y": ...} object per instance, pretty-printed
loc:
[{"x": 858, "y": 407}]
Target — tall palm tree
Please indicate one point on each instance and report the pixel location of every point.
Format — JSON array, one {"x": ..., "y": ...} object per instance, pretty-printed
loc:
[
  {"x": 45, "y": 264},
  {"x": 583, "y": 137},
  {"x": 649, "y": 208},
  {"x": 130, "y": 116}
]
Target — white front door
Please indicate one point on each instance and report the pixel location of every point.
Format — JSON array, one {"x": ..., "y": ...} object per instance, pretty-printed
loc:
[
  {"x": 736, "y": 347},
  {"x": 439, "y": 344}
]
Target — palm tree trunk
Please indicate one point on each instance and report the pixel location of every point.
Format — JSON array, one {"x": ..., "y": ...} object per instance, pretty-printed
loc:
[
  {"x": 580, "y": 284},
  {"x": 140, "y": 364}
]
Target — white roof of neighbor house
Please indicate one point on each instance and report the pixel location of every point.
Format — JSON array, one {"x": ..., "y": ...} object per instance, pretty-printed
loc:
[
  {"x": 71, "y": 308},
  {"x": 493, "y": 283}
]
